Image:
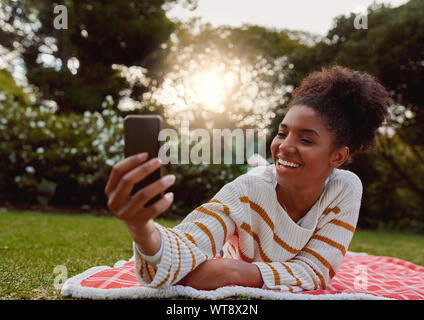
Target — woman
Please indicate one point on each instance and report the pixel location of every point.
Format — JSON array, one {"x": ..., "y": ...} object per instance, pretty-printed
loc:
[{"x": 286, "y": 226}]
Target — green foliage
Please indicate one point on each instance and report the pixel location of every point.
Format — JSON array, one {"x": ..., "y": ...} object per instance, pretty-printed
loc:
[
  {"x": 53, "y": 159},
  {"x": 390, "y": 49},
  {"x": 99, "y": 34},
  {"x": 8, "y": 87},
  {"x": 389, "y": 202}
]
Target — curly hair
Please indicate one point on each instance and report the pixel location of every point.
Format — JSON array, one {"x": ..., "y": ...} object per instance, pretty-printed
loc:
[{"x": 352, "y": 104}]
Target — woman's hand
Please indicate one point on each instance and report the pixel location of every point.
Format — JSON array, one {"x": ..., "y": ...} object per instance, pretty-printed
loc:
[
  {"x": 130, "y": 209},
  {"x": 216, "y": 273}
]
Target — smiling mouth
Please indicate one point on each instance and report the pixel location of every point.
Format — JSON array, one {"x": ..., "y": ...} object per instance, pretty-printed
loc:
[{"x": 286, "y": 164}]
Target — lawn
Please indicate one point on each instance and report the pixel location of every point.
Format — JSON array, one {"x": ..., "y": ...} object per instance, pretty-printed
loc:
[{"x": 33, "y": 244}]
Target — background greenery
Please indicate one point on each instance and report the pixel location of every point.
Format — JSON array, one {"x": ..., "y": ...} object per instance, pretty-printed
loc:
[{"x": 61, "y": 127}]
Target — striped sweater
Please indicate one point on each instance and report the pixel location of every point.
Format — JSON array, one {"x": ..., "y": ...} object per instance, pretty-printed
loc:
[{"x": 246, "y": 221}]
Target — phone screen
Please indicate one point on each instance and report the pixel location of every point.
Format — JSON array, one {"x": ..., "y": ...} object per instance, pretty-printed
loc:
[{"x": 141, "y": 135}]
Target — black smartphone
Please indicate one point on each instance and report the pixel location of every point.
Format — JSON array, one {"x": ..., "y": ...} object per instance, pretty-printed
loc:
[{"x": 141, "y": 135}]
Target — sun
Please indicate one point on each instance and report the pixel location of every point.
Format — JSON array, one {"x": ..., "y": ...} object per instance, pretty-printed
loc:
[
  {"x": 208, "y": 89},
  {"x": 198, "y": 88}
]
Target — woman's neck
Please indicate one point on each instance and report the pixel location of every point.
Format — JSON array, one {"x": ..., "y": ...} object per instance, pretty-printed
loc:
[{"x": 297, "y": 201}]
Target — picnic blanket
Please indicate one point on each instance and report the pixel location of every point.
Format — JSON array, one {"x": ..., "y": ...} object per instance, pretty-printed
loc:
[{"x": 361, "y": 276}]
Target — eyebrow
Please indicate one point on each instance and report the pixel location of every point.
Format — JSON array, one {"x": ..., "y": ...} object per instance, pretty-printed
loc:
[{"x": 282, "y": 125}]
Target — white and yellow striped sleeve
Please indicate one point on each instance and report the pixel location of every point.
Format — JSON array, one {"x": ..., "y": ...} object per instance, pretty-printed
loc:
[{"x": 200, "y": 236}]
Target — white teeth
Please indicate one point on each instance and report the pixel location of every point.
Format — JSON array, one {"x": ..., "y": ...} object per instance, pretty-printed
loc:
[{"x": 289, "y": 164}]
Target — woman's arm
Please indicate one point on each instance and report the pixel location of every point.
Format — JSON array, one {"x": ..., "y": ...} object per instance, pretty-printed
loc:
[
  {"x": 199, "y": 237},
  {"x": 216, "y": 273}
]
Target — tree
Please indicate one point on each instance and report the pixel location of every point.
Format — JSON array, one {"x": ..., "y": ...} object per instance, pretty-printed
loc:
[
  {"x": 224, "y": 77},
  {"x": 392, "y": 49},
  {"x": 10, "y": 90},
  {"x": 74, "y": 66}
]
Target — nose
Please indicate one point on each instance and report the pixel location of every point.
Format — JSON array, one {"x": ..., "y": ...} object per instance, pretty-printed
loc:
[{"x": 287, "y": 146}]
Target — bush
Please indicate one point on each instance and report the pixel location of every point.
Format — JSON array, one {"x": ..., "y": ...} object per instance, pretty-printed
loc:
[
  {"x": 52, "y": 159},
  {"x": 388, "y": 203},
  {"x": 56, "y": 159}
]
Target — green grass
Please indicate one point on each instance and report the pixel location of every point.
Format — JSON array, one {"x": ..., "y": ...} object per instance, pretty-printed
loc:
[
  {"x": 408, "y": 247},
  {"x": 33, "y": 244}
]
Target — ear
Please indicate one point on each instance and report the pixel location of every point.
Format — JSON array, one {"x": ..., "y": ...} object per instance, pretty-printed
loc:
[{"x": 339, "y": 156}]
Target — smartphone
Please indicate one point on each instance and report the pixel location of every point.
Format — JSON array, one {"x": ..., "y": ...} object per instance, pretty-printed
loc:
[{"x": 141, "y": 135}]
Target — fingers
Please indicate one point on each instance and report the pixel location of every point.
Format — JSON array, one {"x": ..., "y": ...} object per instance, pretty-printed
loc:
[
  {"x": 121, "y": 194},
  {"x": 121, "y": 168},
  {"x": 160, "y": 206},
  {"x": 154, "y": 210},
  {"x": 134, "y": 176},
  {"x": 145, "y": 195}
]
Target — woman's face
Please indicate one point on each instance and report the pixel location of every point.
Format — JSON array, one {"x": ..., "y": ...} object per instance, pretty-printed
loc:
[{"x": 303, "y": 151}]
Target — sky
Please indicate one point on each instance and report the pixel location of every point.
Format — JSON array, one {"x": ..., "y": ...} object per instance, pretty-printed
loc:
[{"x": 315, "y": 16}]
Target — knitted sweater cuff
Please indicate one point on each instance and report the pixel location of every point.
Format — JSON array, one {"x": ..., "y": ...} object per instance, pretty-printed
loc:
[{"x": 152, "y": 259}]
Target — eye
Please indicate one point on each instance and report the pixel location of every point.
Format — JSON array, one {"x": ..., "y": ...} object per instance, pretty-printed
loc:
[
  {"x": 305, "y": 140},
  {"x": 281, "y": 134}
]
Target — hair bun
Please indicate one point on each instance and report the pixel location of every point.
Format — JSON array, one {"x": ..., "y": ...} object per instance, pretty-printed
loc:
[{"x": 354, "y": 100}]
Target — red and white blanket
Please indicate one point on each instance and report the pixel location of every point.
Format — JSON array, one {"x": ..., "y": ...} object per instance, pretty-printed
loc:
[{"x": 361, "y": 276}]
